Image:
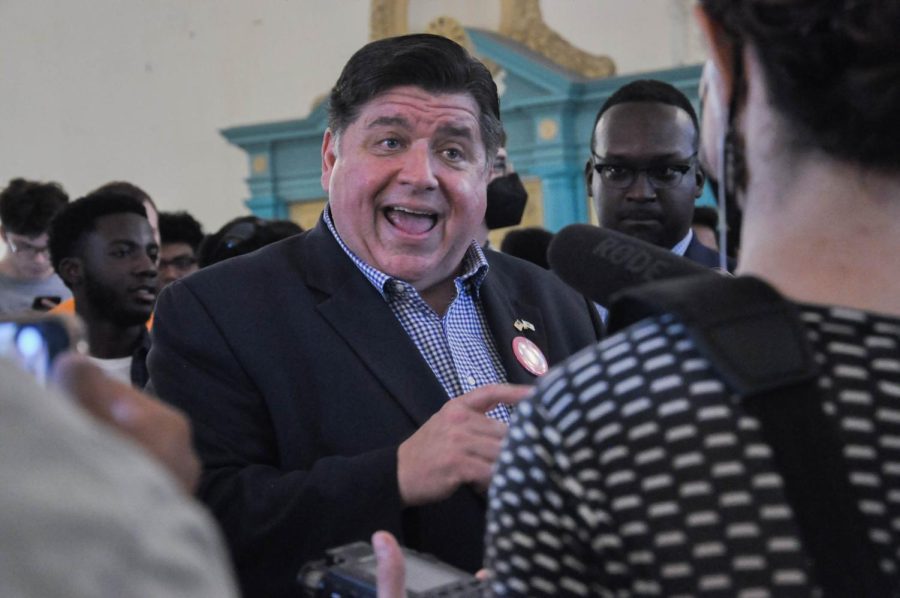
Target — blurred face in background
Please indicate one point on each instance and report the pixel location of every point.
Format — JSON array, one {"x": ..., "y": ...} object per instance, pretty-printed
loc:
[
  {"x": 27, "y": 256},
  {"x": 176, "y": 260}
]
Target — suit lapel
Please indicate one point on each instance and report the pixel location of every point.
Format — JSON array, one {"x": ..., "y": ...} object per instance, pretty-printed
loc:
[
  {"x": 503, "y": 311},
  {"x": 360, "y": 316}
]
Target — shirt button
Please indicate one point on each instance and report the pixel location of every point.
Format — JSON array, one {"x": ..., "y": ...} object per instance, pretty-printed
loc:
[{"x": 471, "y": 380}]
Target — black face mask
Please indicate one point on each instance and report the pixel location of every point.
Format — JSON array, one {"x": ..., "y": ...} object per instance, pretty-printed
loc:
[{"x": 506, "y": 197}]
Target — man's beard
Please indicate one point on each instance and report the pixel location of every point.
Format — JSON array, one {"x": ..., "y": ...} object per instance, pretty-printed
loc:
[{"x": 107, "y": 302}]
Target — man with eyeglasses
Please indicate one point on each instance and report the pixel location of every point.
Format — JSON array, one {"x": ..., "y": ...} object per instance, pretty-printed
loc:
[
  {"x": 181, "y": 236},
  {"x": 643, "y": 174},
  {"x": 27, "y": 280}
]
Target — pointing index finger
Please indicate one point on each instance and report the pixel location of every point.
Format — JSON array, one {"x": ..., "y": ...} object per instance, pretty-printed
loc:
[{"x": 485, "y": 398}]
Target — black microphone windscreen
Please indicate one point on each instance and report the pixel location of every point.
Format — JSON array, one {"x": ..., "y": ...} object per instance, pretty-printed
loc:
[{"x": 599, "y": 262}]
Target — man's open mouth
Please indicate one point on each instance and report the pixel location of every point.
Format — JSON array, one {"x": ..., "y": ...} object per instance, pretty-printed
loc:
[{"x": 411, "y": 222}]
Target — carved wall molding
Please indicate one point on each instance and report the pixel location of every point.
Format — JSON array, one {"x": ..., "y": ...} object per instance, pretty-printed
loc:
[
  {"x": 388, "y": 18},
  {"x": 520, "y": 20},
  {"x": 453, "y": 29}
]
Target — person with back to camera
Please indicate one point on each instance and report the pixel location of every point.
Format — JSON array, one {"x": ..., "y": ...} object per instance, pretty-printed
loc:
[
  {"x": 636, "y": 469},
  {"x": 339, "y": 380},
  {"x": 802, "y": 96},
  {"x": 27, "y": 279}
]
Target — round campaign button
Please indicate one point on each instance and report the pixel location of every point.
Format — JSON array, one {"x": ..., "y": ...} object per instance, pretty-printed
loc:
[{"x": 529, "y": 356}]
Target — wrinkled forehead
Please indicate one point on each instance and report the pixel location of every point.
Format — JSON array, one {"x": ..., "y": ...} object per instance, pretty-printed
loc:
[{"x": 414, "y": 106}]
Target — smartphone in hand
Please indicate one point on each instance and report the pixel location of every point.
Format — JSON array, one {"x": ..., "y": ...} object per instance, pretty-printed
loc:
[
  {"x": 33, "y": 342},
  {"x": 45, "y": 302}
]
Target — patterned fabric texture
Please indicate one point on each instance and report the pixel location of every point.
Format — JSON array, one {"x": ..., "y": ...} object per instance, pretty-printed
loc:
[
  {"x": 634, "y": 472},
  {"x": 457, "y": 346}
]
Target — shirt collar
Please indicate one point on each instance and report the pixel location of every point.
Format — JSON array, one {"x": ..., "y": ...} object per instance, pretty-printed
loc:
[
  {"x": 474, "y": 266},
  {"x": 682, "y": 245}
]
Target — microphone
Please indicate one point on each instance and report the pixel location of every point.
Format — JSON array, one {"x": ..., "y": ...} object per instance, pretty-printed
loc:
[{"x": 598, "y": 262}]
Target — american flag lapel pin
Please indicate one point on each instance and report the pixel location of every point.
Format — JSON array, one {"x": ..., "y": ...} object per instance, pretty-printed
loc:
[{"x": 523, "y": 325}]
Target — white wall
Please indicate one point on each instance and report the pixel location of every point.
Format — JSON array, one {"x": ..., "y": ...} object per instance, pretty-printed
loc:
[{"x": 95, "y": 90}]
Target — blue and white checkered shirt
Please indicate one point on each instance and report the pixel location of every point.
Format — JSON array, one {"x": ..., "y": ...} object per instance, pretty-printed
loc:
[{"x": 457, "y": 346}]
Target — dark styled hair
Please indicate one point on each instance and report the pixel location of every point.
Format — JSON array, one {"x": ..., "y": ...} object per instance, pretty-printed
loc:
[
  {"x": 26, "y": 207},
  {"x": 434, "y": 63},
  {"x": 180, "y": 227},
  {"x": 125, "y": 188},
  {"x": 832, "y": 70},
  {"x": 529, "y": 244},
  {"x": 649, "y": 90},
  {"x": 77, "y": 219},
  {"x": 243, "y": 235}
]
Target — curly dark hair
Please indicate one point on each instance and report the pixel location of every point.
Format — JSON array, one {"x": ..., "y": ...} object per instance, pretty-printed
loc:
[
  {"x": 431, "y": 62},
  {"x": 832, "y": 69},
  {"x": 78, "y": 218},
  {"x": 26, "y": 207},
  {"x": 180, "y": 227},
  {"x": 125, "y": 188}
]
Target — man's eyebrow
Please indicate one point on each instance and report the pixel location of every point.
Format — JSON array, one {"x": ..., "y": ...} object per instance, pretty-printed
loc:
[
  {"x": 127, "y": 243},
  {"x": 676, "y": 156},
  {"x": 462, "y": 131},
  {"x": 389, "y": 121}
]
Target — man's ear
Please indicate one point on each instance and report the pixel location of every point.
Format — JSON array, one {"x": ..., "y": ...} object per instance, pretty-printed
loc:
[
  {"x": 329, "y": 157},
  {"x": 71, "y": 270},
  {"x": 699, "y": 179},
  {"x": 589, "y": 177},
  {"x": 720, "y": 47}
]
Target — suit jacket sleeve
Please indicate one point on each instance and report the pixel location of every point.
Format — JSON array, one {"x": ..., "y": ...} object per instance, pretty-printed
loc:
[
  {"x": 270, "y": 505},
  {"x": 301, "y": 384}
]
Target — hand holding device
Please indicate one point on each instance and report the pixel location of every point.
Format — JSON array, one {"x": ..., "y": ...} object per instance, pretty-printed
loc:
[
  {"x": 390, "y": 571},
  {"x": 34, "y": 341},
  {"x": 45, "y": 302}
]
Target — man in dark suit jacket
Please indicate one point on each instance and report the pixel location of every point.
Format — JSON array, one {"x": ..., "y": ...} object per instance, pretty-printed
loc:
[
  {"x": 643, "y": 174},
  {"x": 317, "y": 371},
  {"x": 700, "y": 253}
]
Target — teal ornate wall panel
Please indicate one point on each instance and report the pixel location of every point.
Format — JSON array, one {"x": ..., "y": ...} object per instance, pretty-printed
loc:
[{"x": 548, "y": 114}]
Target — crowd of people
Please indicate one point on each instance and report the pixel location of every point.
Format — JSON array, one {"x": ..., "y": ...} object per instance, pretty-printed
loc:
[{"x": 257, "y": 396}]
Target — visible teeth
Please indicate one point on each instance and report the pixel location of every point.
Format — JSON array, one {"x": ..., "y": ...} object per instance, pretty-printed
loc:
[
  {"x": 413, "y": 212},
  {"x": 409, "y": 221}
]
